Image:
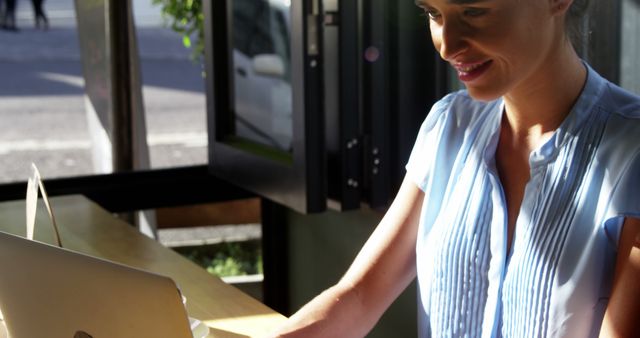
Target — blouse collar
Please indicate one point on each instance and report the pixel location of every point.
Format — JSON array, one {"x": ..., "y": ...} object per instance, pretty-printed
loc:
[{"x": 572, "y": 124}]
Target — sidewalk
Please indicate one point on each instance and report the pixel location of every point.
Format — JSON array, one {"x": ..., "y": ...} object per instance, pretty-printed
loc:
[
  {"x": 61, "y": 13},
  {"x": 61, "y": 43}
]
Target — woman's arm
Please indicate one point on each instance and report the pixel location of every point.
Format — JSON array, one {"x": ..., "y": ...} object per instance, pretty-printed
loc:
[
  {"x": 622, "y": 318},
  {"x": 381, "y": 271}
]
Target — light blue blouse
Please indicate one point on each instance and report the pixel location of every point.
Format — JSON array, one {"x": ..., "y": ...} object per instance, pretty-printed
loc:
[{"x": 556, "y": 279}]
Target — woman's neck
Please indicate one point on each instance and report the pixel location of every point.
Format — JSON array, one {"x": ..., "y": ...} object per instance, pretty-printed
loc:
[{"x": 537, "y": 108}]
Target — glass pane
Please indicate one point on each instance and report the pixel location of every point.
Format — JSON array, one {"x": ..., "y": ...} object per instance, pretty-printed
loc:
[
  {"x": 42, "y": 97},
  {"x": 47, "y": 105},
  {"x": 172, "y": 89},
  {"x": 262, "y": 72},
  {"x": 630, "y": 45}
]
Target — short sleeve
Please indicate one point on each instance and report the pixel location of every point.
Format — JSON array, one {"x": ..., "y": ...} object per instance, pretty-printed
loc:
[
  {"x": 424, "y": 152},
  {"x": 625, "y": 197},
  {"x": 626, "y": 194}
]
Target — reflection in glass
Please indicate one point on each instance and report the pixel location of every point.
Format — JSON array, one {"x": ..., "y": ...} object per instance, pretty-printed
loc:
[{"x": 262, "y": 72}]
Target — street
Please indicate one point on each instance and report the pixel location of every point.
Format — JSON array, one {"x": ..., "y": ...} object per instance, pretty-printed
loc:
[{"x": 42, "y": 105}]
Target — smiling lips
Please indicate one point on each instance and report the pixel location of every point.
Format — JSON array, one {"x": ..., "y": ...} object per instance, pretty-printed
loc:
[{"x": 470, "y": 71}]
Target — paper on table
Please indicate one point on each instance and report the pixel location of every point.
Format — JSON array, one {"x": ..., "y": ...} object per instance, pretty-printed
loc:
[
  {"x": 198, "y": 328},
  {"x": 32, "y": 203},
  {"x": 3, "y": 327},
  {"x": 35, "y": 182}
]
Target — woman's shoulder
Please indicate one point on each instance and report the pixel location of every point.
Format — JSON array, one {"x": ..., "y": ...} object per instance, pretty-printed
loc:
[
  {"x": 461, "y": 108},
  {"x": 612, "y": 109},
  {"x": 622, "y": 114},
  {"x": 619, "y": 143},
  {"x": 620, "y": 102}
]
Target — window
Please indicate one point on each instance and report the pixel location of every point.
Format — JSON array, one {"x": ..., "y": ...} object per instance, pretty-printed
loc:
[
  {"x": 262, "y": 74},
  {"x": 264, "y": 98}
]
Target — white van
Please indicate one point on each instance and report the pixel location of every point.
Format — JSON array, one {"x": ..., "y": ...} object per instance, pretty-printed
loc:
[{"x": 262, "y": 72}]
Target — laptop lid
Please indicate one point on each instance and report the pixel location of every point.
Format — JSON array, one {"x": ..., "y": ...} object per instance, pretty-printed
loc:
[{"x": 47, "y": 291}]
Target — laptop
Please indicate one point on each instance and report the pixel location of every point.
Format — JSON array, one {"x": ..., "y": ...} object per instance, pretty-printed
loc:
[
  {"x": 46, "y": 291},
  {"x": 49, "y": 291}
]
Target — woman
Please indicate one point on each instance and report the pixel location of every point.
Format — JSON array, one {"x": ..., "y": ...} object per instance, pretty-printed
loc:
[{"x": 521, "y": 193}]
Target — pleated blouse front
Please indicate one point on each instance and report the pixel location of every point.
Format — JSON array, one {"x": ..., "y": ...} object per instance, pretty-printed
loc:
[{"x": 555, "y": 281}]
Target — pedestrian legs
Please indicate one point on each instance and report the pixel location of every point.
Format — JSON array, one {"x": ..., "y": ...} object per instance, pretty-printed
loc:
[
  {"x": 9, "y": 21},
  {"x": 2, "y": 11},
  {"x": 40, "y": 17}
]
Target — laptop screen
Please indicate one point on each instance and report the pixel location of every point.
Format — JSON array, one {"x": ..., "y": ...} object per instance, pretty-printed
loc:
[{"x": 47, "y": 291}]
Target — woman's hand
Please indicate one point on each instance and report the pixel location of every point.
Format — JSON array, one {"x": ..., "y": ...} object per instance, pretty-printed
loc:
[{"x": 381, "y": 271}]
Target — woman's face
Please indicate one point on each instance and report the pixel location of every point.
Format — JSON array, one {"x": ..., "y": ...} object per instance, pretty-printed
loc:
[{"x": 496, "y": 46}]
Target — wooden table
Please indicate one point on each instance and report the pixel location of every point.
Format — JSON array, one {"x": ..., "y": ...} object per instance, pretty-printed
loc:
[{"x": 86, "y": 227}]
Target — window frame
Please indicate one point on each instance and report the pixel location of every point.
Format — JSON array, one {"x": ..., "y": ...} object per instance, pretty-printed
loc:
[{"x": 301, "y": 184}]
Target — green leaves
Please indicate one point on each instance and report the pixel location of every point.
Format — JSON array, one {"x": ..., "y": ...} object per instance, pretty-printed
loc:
[
  {"x": 186, "y": 18},
  {"x": 227, "y": 258},
  {"x": 186, "y": 41}
]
